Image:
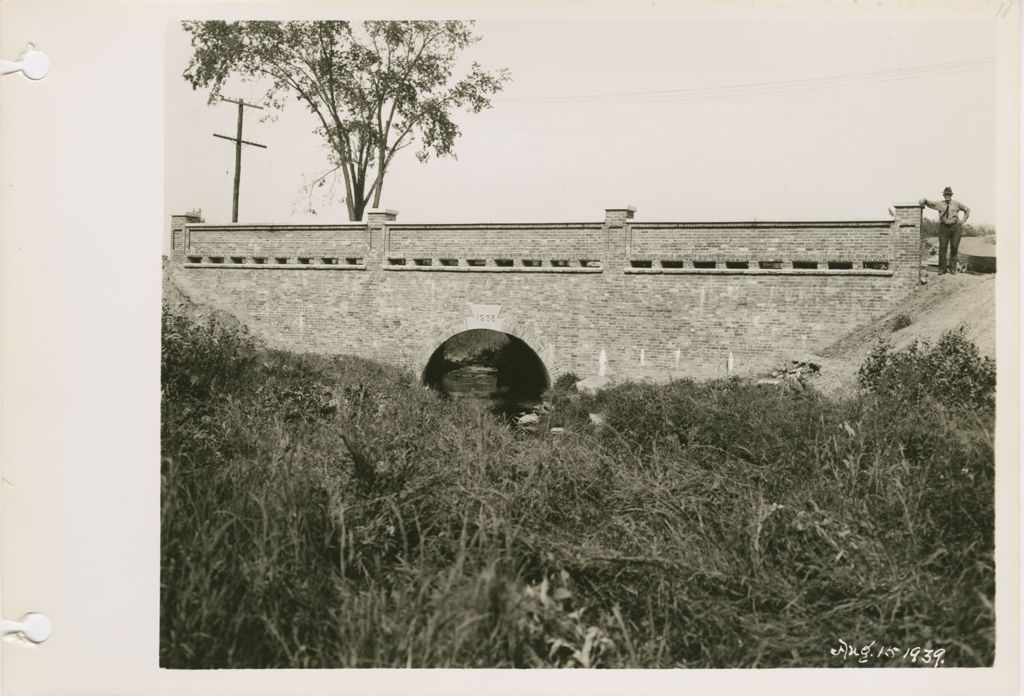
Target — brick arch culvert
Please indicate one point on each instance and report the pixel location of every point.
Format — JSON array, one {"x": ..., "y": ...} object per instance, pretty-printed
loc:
[{"x": 543, "y": 351}]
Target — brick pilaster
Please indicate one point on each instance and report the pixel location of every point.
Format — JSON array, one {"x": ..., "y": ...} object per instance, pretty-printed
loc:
[
  {"x": 377, "y": 229},
  {"x": 179, "y": 234},
  {"x": 907, "y": 244},
  {"x": 617, "y": 237}
]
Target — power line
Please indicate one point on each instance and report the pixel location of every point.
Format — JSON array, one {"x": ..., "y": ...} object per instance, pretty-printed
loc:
[
  {"x": 901, "y": 73},
  {"x": 179, "y": 127},
  {"x": 238, "y": 151},
  {"x": 186, "y": 112},
  {"x": 754, "y": 88}
]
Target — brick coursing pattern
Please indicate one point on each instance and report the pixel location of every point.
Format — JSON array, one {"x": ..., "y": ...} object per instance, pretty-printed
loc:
[
  {"x": 567, "y": 318},
  {"x": 858, "y": 243},
  {"x": 542, "y": 242},
  {"x": 269, "y": 241}
]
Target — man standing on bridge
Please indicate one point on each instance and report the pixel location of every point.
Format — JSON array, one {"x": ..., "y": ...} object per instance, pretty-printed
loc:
[{"x": 949, "y": 227}]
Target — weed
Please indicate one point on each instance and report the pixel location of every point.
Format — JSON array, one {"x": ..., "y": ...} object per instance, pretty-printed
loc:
[
  {"x": 330, "y": 512},
  {"x": 566, "y": 381},
  {"x": 901, "y": 321}
]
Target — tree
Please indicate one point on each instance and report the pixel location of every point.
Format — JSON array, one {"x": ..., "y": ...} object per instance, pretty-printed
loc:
[{"x": 375, "y": 89}]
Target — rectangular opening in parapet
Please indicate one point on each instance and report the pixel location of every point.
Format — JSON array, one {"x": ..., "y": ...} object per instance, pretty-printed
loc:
[
  {"x": 423, "y": 262},
  {"x": 283, "y": 260},
  {"x": 737, "y": 264},
  {"x": 559, "y": 263},
  {"x": 477, "y": 262},
  {"x": 329, "y": 260},
  {"x": 704, "y": 264},
  {"x": 876, "y": 265},
  {"x": 805, "y": 265},
  {"x": 639, "y": 263},
  {"x": 259, "y": 259},
  {"x": 504, "y": 263},
  {"x": 671, "y": 264},
  {"x": 770, "y": 265},
  {"x": 354, "y": 260},
  {"x": 195, "y": 259},
  {"x": 449, "y": 262},
  {"x": 216, "y": 259},
  {"x": 840, "y": 265},
  {"x": 396, "y": 262},
  {"x": 237, "y": 259},
  {"x": 531, "y": 263},
  {"x": 305, "y": 260},
  {"x": 590, "y": 263}
]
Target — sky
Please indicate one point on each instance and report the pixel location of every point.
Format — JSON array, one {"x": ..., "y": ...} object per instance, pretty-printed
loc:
[{"x": 685, "y": 120}]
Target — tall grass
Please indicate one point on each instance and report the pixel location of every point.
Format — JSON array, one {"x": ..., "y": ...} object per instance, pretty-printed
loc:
[{"x": 330, "y": 512}]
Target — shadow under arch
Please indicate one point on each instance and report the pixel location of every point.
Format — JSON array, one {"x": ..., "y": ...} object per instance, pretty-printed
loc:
[
  {"x": 500, "y": 362},
  {"x": 543, "y": 348}
]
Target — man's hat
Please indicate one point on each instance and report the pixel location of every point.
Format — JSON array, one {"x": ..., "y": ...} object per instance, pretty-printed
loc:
[{"x": 947, "y": 190}]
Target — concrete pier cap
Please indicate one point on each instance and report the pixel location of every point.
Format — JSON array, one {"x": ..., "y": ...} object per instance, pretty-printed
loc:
[
  {"x": 381, "y": 215},
  {"x": 618, "y": 216}
]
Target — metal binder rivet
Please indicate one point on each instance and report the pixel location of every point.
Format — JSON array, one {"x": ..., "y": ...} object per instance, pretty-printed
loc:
[
  {"x": 35, "y": 628},
  {"x": 33, "y": 64}
]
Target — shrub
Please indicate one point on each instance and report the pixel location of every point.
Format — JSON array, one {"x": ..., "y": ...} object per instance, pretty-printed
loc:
[
  {"x": 901, "y": 321},
  {"x": 566, "y": 381},
  {"x": 951, "y": 372}
]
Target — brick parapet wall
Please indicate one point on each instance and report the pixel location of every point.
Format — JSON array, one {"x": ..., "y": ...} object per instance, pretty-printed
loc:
[
  {"x": 270, "y": 241},
  {"x": 684, "y": 320},
  {"x": 542, "y": 242},
  {"x": 764, "y": 242}
]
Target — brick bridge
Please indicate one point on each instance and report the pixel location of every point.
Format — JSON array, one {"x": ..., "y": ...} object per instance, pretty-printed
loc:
[{"x": 653, "y": 297}]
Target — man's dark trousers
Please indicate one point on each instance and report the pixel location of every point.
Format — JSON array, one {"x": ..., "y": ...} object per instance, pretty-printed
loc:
[{"x": 949, "y": 235}]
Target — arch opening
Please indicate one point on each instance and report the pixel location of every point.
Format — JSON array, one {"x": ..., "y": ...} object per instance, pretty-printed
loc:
[{"x": 491, "y": 366}]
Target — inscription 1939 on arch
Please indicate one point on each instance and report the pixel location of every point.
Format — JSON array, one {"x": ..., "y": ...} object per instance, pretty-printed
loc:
[{"x": 485, "y": 316}]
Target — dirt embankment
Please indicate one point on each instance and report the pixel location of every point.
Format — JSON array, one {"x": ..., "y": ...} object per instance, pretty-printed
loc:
[
  {"x": 946, "y": 303},
  {"x": 177, "y": 296}
]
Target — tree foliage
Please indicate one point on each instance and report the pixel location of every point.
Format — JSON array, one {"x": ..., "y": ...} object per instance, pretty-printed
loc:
[
  {"x": 930, "y": 228},
  {"x": 375, "y": 88}
]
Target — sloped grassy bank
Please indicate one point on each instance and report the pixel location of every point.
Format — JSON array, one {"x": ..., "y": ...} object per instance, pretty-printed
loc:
[{"x": 329, "y": 512}]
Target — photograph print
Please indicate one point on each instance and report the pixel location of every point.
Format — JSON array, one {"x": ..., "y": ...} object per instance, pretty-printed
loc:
[{"x": 590, "y": 343}]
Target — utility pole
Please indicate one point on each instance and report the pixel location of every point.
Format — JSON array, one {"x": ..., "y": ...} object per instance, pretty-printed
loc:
[{"x": 238, "y": 151}]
